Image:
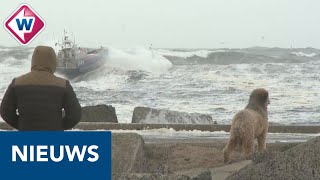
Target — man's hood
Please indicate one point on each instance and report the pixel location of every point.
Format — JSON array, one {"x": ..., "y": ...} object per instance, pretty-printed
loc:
[{"x": 44, "y": 59}]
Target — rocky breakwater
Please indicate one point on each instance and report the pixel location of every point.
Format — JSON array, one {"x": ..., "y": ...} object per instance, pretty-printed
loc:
[
  {"x": 133, "y": 159},
  {"x": 299, "y": 162},
  {"x": 99, "y": 113},
  {"x": 162, "y": 116}
]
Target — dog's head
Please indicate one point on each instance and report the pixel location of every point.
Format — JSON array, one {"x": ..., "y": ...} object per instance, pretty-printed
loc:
[{"x": 260, "y": 97}]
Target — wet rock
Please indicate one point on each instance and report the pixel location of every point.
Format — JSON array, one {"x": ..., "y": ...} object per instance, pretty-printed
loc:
[
  {"x": 99, "y": 113},
  {"x": 196, "y": 174},
  {"x": 224, "y": 171},
  {"x": 127, "y": 154},
  {"x": 193, "y": 174},
  {"x": 161, "y": 116},
  {"x": 260, "y": 157},
  {"x": 148, "y": 176},
  {"x": 299, "y": 162}
]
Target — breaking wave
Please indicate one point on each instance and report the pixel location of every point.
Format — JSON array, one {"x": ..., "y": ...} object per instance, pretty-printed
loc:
[
  {"x": 138, "y": 59},
  {"x": 128, "y": 65},
  {"x": 240, "y": 56}
]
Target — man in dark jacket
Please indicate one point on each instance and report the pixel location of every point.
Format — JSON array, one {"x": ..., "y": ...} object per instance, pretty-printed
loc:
[{"x": 39, "y": 96}]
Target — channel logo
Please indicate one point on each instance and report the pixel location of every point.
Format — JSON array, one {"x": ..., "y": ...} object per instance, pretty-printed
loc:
[{"x": 24, "y": 24}]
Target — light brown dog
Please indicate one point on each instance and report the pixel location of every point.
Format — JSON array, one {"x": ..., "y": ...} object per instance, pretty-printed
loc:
[{"x": 249, "y": 124}]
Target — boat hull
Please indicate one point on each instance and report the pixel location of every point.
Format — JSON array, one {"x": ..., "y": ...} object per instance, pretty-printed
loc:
[{"x": 90, "y": 63}]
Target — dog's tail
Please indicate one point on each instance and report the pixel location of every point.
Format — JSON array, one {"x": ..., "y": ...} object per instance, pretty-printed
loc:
[
  {"x": 238, "y": 136},
  {"x": 237, "y": 123}
]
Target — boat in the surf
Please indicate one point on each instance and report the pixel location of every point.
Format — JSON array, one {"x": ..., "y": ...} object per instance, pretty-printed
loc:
[{"x": 73, "y": 60}]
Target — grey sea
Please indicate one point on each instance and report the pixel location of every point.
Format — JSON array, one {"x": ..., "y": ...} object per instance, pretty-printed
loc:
[{"x": 210, "y": 81}]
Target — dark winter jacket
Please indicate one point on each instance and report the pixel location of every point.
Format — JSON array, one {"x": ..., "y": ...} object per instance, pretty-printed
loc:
[{"x": 34, "y": 101}]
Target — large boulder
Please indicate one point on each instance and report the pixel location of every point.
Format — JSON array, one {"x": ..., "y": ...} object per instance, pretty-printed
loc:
[
  {"x": 127, "y": 154},
  {"x": 99, "y": 113},
  {"x": 161, "y": 116},
  {"x": 299, "y": 162}
]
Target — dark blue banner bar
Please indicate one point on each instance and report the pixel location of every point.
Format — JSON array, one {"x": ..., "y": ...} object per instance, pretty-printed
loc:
[{"x": 55, "y": 155}]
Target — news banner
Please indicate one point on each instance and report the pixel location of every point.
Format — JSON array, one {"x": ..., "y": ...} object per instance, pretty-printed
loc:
[{"x": 55, "y": 155}]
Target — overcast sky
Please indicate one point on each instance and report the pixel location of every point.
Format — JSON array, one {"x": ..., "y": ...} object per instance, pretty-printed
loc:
[{"x": 176, "y": 23}]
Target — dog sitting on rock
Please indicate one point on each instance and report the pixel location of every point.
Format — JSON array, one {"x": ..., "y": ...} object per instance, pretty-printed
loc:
[{"x": 249, "y": 124}]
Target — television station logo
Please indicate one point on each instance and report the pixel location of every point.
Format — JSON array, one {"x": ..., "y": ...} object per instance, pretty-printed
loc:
[{"x": 24, "y": 24}]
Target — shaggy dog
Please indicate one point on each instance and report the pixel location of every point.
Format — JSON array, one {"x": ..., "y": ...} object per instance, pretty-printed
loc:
[{"x": 248, "y": 124}]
